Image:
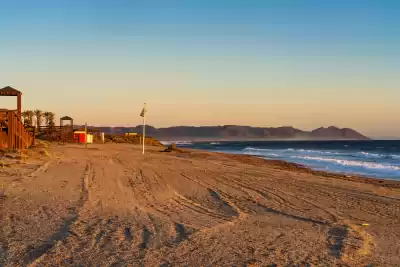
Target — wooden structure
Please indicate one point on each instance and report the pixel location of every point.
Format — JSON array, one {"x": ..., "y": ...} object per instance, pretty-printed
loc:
[
  {"x": 14, "y": 135},
  {"x": 9, "y": 91},
  {"x": 66, "y": 134},
  {"x": 66, "y": 118}
]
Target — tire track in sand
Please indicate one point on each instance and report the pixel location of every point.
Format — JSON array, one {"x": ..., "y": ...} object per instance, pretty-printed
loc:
[
  {"x": 40, "y": 169},
  {"x": 33, "y": 256},
  {"x": 286, "y": 202},
  {"x": 222, "y": 196}
]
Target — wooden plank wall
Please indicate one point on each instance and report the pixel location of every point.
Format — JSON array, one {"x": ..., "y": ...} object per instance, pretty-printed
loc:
[{"x": 17, "y": 136}]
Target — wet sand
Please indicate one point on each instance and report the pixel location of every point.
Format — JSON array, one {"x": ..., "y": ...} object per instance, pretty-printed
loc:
[{"x": 111, "y": 206}]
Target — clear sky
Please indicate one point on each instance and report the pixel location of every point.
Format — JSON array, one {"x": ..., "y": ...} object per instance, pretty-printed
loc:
[{"x": 210, "y": 62}]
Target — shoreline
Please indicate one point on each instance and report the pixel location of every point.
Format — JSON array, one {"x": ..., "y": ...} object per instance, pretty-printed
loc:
[
  {"x": 291, "y": 166},
  {"x": 359, "y": 159}
]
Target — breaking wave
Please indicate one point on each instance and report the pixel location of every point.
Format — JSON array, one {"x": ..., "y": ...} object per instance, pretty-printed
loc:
[
  {"x": 379, "y": 159},
  {"x": 178, "y": 143},
  {"x": 368, "y": 165},
  {"x": 375, "y": 164},
  {"x": 377, "y": 156},
  {"x": 292, "y": 150},
  {"x": 360, "y": 154}
]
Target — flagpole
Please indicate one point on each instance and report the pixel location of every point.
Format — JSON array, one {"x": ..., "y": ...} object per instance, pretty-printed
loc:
[{"x": 144, "y": 126}]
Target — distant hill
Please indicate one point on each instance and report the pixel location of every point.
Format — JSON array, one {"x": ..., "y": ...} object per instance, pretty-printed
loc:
[{"x": 234, "y": 132}]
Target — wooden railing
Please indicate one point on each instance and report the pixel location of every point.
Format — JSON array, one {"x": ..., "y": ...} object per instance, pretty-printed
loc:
[{"x": 17, "y": 136}]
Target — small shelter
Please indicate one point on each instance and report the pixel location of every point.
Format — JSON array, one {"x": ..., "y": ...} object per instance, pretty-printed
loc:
[
  {"x": 80, "y": 137},
  {"x": 9, "y": 91},
  {"x": 13, "y": 133},
  {"x": 66, "y": 133},
  {"x": 66, "y": 118}
]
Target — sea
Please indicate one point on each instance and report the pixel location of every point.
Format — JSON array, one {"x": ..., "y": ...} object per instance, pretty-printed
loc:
[{"x": 379, "y": 159}]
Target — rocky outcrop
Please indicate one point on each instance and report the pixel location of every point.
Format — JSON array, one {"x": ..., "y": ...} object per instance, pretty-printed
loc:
[{"x": 332, "y": 132}]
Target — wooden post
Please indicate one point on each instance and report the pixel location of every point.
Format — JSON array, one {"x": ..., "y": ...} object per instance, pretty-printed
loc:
[
  {"x": 20, "y": 143},
  {"x": 19, "y": 105},
  {"x": 144, "y": 133},
  {"x": 14, "y": 131},
  {"x": 9, "y": 130},
  {"x": 144, "y": 126}
]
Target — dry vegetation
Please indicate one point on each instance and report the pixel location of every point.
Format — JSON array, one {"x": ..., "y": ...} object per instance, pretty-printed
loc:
[{"x": 149, "y": 141}]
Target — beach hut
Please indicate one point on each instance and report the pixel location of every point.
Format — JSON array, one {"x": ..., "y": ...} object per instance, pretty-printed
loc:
[{"x": 79, "y": 137}]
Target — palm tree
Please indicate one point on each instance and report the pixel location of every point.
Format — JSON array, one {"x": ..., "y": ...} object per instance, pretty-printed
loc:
[
  {"x": 28, "y": 117},
  {"x": 46, "y": 119},
  {"x": 50, "y": 120},
  {"x": 24, "y": 116},
  {"x": 39, "y": 118}
]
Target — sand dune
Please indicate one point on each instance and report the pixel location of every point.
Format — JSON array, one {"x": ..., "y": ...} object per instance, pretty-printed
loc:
[{"x": 111, "y": 206}]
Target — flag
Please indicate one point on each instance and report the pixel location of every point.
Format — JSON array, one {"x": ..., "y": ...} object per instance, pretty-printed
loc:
[{"x": 144, "y": 110}]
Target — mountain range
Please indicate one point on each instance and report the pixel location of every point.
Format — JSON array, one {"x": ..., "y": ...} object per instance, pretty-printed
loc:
[{"x": 235, "y": 132}]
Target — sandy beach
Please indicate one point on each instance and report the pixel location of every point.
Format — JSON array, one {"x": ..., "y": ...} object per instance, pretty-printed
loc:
[{"x": 111, "y": 206}]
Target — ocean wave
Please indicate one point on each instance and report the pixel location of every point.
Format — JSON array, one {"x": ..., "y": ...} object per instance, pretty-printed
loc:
[
  {"x": 265, "y": 155},
  {"x": 215, "y": 143},
  {"x": 351, "y": 163},
  {"x": 353, "y": 154},
  {"x": 308, "y": 151},
  {"x": 377, "y": 156},
  {"x": 319, "y": 152},
  {"x": 178, "y": 143},
  {"x": 258, "y": 149}
]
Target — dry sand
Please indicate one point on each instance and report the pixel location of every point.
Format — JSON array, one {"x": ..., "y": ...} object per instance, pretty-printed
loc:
[{"x": 111, "y": 206}]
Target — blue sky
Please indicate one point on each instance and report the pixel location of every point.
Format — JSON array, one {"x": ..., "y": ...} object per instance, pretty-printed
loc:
[{"x": 265, "y": 63}]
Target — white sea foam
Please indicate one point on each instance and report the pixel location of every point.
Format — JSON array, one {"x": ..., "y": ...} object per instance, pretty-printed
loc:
[
  {"x": 395, "y": 156},
  {"x": 266, "y": 155},
  {"x": 273, "y": 155},
  {"x": 352, "y": 163},
  {"x": 371, "y": 155},
  {"x": 178, "y": 143},
  {"x": 292, "y": 150},
  {"x": 319, "y": 152},
  {"x": 361, "y": 154},
  {"x": 257, "y": 149},
  {"x": 377, "y": 156},
  {"x": 371, "y": 163}
]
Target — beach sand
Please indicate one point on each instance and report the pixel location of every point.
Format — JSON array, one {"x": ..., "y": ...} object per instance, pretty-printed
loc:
[{"x": 111, "y": 206}]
